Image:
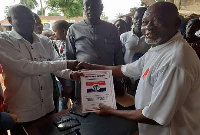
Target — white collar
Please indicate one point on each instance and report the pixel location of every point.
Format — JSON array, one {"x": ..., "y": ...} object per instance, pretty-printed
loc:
[{"x": 16, "y": 35}]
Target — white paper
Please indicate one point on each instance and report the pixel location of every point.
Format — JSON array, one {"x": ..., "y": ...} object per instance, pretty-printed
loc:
[{"x": 97, "y": 87}]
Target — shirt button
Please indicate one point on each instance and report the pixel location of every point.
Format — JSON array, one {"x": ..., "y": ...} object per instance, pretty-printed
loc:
[{"x": 42, "y": 100}]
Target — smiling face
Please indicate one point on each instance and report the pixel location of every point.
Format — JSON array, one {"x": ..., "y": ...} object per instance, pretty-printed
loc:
[
  {"x": 137, "y": 19},
  {"x": 159, "y": 24}
]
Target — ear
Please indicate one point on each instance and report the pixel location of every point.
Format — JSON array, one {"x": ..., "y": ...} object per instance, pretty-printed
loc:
[{"x": 9, "y": 20}]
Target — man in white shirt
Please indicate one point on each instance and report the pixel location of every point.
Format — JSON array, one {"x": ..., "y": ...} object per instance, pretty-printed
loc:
[
  {"x": 25, "y": 58},
  {"x": 134, "y": 45},
  {"x": 167, "y": 97}
]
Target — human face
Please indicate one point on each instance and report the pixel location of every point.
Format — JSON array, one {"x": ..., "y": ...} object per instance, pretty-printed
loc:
[
  {"x": 38, "y": 26},
  {"x": 137, "y": 20},
  {"x": 59, "y": 33},
  {"x": 121, "y": 27},
  {"x": 93, "y": 9},
  {"x": 156, "y": 27},
  {"x": 23, "y": 21}
]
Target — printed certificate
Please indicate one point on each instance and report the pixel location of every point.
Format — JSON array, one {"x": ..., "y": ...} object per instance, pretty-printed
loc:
[{"x": 97, "y": 87}]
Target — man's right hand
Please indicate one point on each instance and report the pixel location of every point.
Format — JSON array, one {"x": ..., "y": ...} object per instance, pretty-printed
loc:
[{"x": 71, "y": 64}]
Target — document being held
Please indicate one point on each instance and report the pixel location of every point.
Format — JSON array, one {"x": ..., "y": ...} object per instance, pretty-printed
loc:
[{"x": 97, "y": 87}]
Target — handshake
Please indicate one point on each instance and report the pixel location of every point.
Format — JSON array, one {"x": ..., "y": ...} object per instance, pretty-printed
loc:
[{"x": 77, "y": 67}]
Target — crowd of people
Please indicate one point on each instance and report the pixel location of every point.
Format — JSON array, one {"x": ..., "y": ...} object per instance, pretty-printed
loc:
[{"x": 154, "y": 52}]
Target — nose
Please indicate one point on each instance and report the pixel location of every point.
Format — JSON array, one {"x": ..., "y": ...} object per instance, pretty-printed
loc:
[{"x": 150, "y": 25}]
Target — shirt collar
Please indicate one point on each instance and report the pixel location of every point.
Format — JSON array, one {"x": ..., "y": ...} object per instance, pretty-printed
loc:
[
  {"x": 176, "y": 37},
  {"x": 133, "y": 34},
  {"x": 16, "y": 35}
]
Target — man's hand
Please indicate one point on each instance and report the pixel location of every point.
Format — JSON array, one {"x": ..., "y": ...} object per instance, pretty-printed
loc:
[
  {"x": 71, "y": 64},
  {"x": 104, "y": 110},
  {"x": 83, "y": 65},
  {"x": 75, "y": 75}
]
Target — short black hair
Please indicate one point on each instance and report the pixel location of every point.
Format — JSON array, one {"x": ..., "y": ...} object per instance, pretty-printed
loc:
[
  {"x": 119, "y": 20},
  {"x": 61, "y": 24}
]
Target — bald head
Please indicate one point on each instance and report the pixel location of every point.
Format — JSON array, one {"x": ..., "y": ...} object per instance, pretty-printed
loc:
[
  {"x": 167, "y": 11},
  {"x": 17, "y": 10},
  {"x": 22, "y": 20},
  {"x": 95, "y": 1},
  {"x": 93, "y": 10},
  {"x": 160, "y": 23}
]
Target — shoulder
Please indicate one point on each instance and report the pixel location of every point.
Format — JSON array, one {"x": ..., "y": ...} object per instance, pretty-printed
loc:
[
  {"x": 4, "y": 35},
  {"x": 77, "y": 25},
  {"x": 183, "y": 55},
  {"x": 107, "y": 24},
  {"x": 126, "y": 35}
]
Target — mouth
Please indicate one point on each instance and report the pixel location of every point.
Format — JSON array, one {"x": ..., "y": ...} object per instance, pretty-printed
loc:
[{"x": 151, "y": 35}]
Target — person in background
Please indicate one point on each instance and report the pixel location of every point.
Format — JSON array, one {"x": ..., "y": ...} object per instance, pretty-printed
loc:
[
  {"x": 167, "y": 98},
  {"x": 38, "y": 24},
  {"x": 60, "y": 29},
  {"x": 48, "y": 33},
  {"x": 133, "y": 41},
  {"x": 29, "y": 93},
  {"x": 192, "y": 27},
  {"x": 7, "y": 120},
  {"x": 93, "y": 40},
  {"x": 121, "y": 26},
  {"x": 129, "y": 22},
  {"x": 38, "y": 29},
  {"x": 134, "y": 46}
]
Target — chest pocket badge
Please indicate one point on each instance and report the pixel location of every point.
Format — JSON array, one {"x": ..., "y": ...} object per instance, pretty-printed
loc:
[{"x": 145, "y": 74}]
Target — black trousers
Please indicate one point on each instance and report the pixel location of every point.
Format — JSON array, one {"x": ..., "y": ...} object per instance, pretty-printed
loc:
[{"x": 18, "y": 129}]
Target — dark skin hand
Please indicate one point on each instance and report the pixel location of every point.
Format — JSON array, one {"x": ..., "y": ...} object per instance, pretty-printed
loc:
[{"x": 133, "y": 115}]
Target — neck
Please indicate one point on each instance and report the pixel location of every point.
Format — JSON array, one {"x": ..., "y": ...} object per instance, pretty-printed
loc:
[
  {"x": 137, "y": 32},
  {"x": 93, "y": 22},
  {"x": 28, "y": 37}
]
